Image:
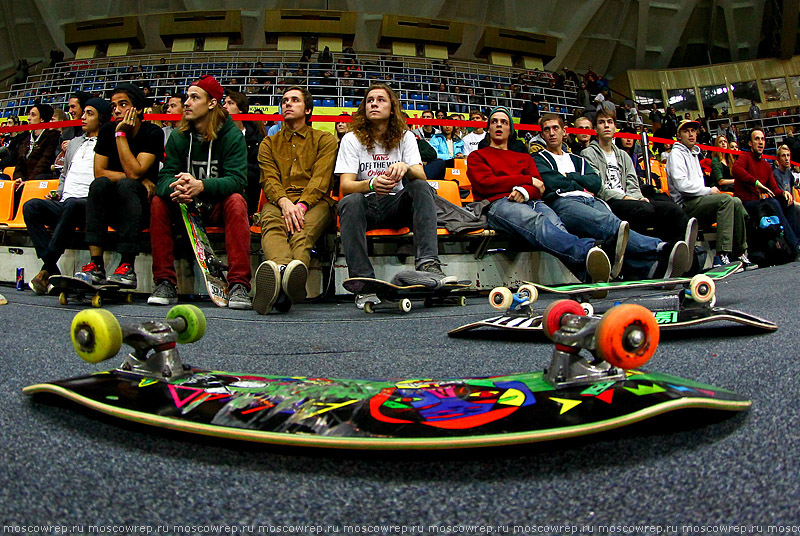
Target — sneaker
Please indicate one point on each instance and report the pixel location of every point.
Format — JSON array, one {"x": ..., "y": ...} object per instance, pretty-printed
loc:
[
  {"x": 747, "y": 264},
  {"x": 268, "y": 286},
  {"x": 361, "y": 299},
  {"x": 435, "y": 268},
  {"x": 239, "y": 297},
  {"x": 293, "y": 281},
  {"x": 615, "y": 248},
  {"x": 598, "y": 267},
  {"x": 92, "y": 274},
  {"x": 692, "y": 228},
  {"x": 673, "y": 261},
  {"x": 165, "y": 294},
  {"x": 124, "y": 276},
  {"x": 721, "y": 260},
  {"x": 40, "y": 283}
]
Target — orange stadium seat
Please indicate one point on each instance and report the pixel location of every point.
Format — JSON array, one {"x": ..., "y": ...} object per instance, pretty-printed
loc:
[
  {"x": 33, "y": 189},
  {"x": 6, "y": 201}
]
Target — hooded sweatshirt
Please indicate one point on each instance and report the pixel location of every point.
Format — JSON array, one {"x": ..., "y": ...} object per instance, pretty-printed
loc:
[
  {"x": 221, "y": 164},
  {"x": 684, "y": 174},
  {"x": 630, "y": 181}
]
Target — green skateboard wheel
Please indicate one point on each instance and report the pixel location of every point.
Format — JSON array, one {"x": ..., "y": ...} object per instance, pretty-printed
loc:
[{"x": 195, "y": 322}]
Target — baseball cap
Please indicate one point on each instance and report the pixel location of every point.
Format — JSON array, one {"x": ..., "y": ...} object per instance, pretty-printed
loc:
[
  {"x": 210, "y": 85},
  {"x": 688, "y": 123}
]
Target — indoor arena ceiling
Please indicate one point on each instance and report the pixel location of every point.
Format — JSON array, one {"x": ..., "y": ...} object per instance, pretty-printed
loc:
[{"x": 611, "y": 35}]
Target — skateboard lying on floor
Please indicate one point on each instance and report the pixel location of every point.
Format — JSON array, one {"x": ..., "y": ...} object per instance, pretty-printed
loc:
[
  {"x": 401, "y": 296},
  {"x": 672, "y": 309},
  {"x": 73, "y": 287},
  {"x": 576, "y": 395},
  {"x": 211, "y": 267},
  {"x": 581, "y": 291}
]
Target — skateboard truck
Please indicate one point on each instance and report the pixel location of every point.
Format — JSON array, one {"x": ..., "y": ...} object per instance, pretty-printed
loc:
[
  {"x": 97, "y": 336},
  {"x": 155, "y": 351},
  {"x": 623, "y": 338}
]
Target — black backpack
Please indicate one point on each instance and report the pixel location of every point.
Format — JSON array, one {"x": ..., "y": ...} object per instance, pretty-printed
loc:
[{"x": 767, "y": 244}]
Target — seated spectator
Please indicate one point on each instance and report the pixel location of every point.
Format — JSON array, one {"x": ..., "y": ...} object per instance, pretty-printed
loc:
[
  {"x": 571, "y": 186},
  {"x": 65, "y": 210},
  {"x": 11, "y": 141},
  {"x": 426, "y": 131},
  {"x": 753, "y": 177},
  {"x": 687, "y": 187},
  {"x": 126, "y": 169},
  {"x": 721, "y": 165},
  {"x": 325, "y": 57},
  {"x": 296, "y": 172},
  {"x": 477, "y": 134},
  {"x": 36, "y": 151},
  {"x": 620, "y": 190},
  {"x": 512, "y": 183},
  {"x": 206, "y": 164},
  {"x": 347, "y": 84},
  {"x": 174, "y": 106},
  {"x": 254, "y": 131},
  {"x": 447, "y": 145},
  {"x": 579, "y": 142},
  {"x": 783, "y": 173},
  {"x": 374, "y": 159},
  {"x": 75, "y": 106}
]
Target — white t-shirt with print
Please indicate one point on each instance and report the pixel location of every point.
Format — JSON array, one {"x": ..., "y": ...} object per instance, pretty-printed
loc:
[
  {"x": 471, "y": 142},
  {"x": 354, "y": 158},
  {"x": 613, "y": 172}
]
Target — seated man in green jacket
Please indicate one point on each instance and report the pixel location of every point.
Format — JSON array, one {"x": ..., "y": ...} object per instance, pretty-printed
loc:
[{"x": 206, "y": 164}]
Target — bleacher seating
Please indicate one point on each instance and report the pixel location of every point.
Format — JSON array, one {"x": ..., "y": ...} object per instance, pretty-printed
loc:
[{"x": 33, "y": 189}]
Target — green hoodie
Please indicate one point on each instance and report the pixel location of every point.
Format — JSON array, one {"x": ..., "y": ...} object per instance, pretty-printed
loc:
[{"x": 221, "y": 164}]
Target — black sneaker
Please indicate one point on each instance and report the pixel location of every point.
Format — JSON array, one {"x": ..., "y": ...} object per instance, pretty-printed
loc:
[
  {"x": 165, "y": 294},
  {"x": 239, "y": 297},
  {"x": 673, "y": 261},
  {"x": 40, "y": 283},
  {"x": 293, "y": 281},
  {"x": 614, "y": 248},
  {"x": 92, "y": 274},
  {"x": 124, "y": 276},
  {"x": 598, "y": 267},
  {"x": 434, "y": 268},
  {"x": 268, "y": 286}
]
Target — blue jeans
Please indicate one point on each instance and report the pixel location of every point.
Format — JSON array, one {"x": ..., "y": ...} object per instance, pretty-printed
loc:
[
  {"x": 588, "y": 216},
  {"x": 414, "y": 206},
  {"x": 62, "y": 216},
  {"x": 540, "y": 226}
]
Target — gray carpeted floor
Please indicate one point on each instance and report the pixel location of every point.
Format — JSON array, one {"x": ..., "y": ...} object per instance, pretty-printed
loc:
[{"x": 74, "y": 468}]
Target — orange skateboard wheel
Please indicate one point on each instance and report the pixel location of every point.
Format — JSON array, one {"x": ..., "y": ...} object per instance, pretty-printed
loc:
[{"x": 627, "y": 336}]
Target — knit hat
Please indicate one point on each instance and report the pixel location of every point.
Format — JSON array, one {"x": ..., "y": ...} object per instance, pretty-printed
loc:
[
  {"x": 45, "y": 111},
  {"x": 513, "y": 134},
  {"x": 134, "y": 93},
  {"x": 102, "y": 107},
  {"x": 210, "y": 85}
]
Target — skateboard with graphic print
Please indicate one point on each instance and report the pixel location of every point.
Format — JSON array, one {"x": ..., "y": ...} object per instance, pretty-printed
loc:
[
  {"x": 592, "y": 384},
  {"x": 212, "y": 268}
]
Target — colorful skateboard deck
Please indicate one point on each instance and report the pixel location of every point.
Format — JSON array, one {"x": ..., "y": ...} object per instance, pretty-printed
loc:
[
  {"x": 576, "y": 397},
  {"x": 66, "y": 287},
  {"x": 403, "y": 294},
  {"x": 212, "y": 268},
  {"x": 587, "y": 289}
]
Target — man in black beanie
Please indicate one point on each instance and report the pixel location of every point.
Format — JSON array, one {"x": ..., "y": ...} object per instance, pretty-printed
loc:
[{"x": 126, "y": 170}]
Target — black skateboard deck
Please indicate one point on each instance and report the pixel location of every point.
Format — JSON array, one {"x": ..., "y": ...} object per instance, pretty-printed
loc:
[
  {"x": 152, "y": 387},
  {"x": 67, "y": 287},
  {"x": 402, "y": 295}
]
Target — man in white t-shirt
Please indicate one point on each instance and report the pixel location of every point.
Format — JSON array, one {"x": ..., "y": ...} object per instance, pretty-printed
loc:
[
  {"x": 65, "y": 209},
  {"x": 571, "y": 184},
  {"x": 474, "y": 138},
  {"x": 374, "y": 161}
]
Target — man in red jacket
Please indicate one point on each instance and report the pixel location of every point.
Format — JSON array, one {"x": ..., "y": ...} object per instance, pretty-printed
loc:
[
  {"x": 753, "y": 177},
  {"x": 512, "y": 183}
]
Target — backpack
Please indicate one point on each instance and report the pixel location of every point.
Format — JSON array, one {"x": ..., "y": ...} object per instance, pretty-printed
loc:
[{"x": 767, "y": 244}]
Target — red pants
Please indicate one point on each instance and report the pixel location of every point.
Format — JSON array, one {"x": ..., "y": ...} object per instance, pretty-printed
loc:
[{"x": 231, "y": 213}]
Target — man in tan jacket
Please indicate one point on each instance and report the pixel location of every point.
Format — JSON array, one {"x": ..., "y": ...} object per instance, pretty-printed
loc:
[{"x": 296, "y": 172}]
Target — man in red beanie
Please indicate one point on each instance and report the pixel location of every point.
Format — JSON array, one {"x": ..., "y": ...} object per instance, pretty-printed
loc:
[{"x": 206, "y": 164}]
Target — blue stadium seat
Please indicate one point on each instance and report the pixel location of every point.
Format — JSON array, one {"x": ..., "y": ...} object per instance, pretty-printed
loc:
[
  {"x": 330, "y": 103},
  {"x": 421, "y": 106},
  {"x": 317, "y": 102}
]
